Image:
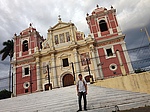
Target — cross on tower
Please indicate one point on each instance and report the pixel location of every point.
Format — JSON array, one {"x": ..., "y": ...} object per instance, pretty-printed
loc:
[{"x": 59, "y": 17}]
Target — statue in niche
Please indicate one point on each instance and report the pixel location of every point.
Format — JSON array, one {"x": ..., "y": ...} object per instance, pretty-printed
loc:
[
  {"x": 83, "y": 59},
  {"x": 56, "y": 39},
  {"x": 86, "y": 69},
  {"x": 46, "y": 45},
  {"x": 88, "y": 57},
  {"x": 45, "y": 67},
  {"x": 62, "y": 39},
  {"x": 85, "y": 56},
  {"x": 46, "y": 77},
  {"x": 67, "y": 36},
  {"x": 79, "y": 36}
]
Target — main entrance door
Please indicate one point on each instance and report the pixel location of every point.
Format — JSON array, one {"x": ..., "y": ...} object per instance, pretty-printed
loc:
[{"x": 68, "y": 80}]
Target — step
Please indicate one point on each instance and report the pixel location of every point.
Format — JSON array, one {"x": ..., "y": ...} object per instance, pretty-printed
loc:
[{"x": 65, "y": 99}]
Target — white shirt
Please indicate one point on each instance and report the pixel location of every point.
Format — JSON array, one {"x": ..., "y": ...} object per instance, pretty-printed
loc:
[{"x": 81, "y": 85}]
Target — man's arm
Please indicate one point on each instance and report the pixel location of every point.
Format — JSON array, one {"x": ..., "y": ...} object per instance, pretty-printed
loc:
[
  {"x": 86, "y": 88},
  {"x": 85, "y": 84},
  {"x": 77, "y": 89}
]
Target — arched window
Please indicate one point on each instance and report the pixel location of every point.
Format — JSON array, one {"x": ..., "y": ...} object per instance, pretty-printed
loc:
[
  {"x": 103, "y": 25},
  {"x": 25, "y": 46}
]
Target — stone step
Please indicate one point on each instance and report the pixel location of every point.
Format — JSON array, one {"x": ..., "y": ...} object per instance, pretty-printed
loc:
[
  {"x": 95, "y": 95},
  {"x": 104, "y": 100},
  {"x": 65, "y": 99}
]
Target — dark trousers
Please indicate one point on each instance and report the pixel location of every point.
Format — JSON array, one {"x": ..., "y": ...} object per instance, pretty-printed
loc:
[{"x": 80, "y": 98}]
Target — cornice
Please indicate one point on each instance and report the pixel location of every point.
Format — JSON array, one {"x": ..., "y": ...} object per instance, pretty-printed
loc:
[
  {"x": 110, "y": 40},
  {"x": 101, "y": 14},
  {"x": 23, "y": 61}
]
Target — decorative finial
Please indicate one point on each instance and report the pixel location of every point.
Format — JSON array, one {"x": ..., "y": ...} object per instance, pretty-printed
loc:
[
  {"x": 111, "y": 7},
  {"x": 97, "y": 6},
  {"x": 87, "y": 14},
  {"x": 30, "y": 24},
  {"x": 59, "y": 18}
]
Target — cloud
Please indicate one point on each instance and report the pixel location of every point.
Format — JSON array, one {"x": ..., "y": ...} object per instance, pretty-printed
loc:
[
  {"x": 43, "y": 14},
  {"x": 4, "y": 73},
  {"x": 17, "y": 14},
  {"x": 134, "y": 14},
  {"x": 4, "y": 67}
]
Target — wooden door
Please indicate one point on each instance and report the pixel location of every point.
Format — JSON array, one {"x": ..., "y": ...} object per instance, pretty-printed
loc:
[{"x": 68, "y": 80}]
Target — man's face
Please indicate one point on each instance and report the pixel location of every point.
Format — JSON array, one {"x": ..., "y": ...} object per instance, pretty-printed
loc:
[{"x": 80, "y": 77}]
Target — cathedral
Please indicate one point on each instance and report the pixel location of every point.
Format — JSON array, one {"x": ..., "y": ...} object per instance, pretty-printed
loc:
[{"x": 41, "y": 64}]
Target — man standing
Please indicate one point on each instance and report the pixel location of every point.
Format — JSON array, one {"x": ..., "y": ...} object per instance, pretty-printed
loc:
[{"x": 81, "y": 91}]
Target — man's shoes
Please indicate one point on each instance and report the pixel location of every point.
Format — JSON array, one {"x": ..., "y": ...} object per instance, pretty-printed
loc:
[
  {"x": 85, "y": 109},
  {"x": 79, "y": 110}
]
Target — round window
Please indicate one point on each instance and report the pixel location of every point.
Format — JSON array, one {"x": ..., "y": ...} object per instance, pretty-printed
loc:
[
  {"x": 113, "y": 67},
  {"x": 26, "y": 85}
]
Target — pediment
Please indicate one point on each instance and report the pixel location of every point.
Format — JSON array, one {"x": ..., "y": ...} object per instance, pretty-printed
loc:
[
  {"x": 61, "y": 25},
  {"x": 64, "y": 55}
]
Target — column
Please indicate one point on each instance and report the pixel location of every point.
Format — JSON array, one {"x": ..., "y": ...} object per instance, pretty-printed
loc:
[
  {"x": 77, "y": 63},
  {"x": 95, "y": 63},
  {"x": 128, "y": 61},
  {"x": 14, "y": 80},
  {"x": 121, "y": 64},
  {"x": 50, "y": 40},
  {"x": 72, "y": 34},
  {"x": 39, "y": 79},
  {"x": 54, "y": 70}
]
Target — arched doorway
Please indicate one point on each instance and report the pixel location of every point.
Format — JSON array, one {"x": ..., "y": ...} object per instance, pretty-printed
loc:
[
  {"x": 87, "y": 78},
  {"x": 68, "y": 80}
]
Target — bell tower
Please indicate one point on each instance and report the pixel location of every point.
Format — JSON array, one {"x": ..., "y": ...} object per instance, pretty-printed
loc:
[
  {"x": 110, "y": 45},
  {"x": 103, "y": 23},
  {"x": 25, "y": 67}
]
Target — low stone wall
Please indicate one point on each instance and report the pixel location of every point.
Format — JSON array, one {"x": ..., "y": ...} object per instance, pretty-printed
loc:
[{"x": 133, "y": 82}]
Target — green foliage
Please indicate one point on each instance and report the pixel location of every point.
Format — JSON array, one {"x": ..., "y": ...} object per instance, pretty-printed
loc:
[
  {"x": 139, "y": 70},
  {"x": 8, "y": 49},
  {"x": 5, "y": 94}
]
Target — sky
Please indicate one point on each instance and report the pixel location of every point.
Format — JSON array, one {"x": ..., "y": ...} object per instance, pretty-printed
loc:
[{"x": 16, "y": 15}]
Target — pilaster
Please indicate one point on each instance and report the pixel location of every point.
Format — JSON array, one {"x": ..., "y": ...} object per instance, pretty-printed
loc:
[
  {"x": 121, "y": 64},
  {"x": 50, "y": 35},
  {"x": 14, "y": 81},
  {"x": 72, "y": 33},
  {"x": 128, "y": 61},
  {"x": 54, "y": 70},
  {"x": 92, "y": 49},
  {"x": 77, "y": 63},
  {"x": 39, "y": 79}
]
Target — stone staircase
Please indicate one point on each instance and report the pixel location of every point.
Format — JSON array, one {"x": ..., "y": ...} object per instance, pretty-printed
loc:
[{"x": 65, "y": 100}]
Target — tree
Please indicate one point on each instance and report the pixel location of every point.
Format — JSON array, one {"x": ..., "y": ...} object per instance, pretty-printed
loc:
[
  {"x": 139, "y": 70},
  {"x": 8, "y": 50},
  {"x": 5, "y": 94}
]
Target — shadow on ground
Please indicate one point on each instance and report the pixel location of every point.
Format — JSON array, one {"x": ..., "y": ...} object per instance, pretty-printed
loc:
[{"x": 141, "y": 109}]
